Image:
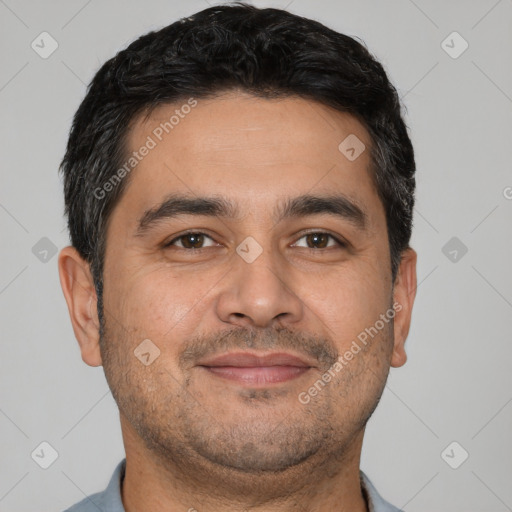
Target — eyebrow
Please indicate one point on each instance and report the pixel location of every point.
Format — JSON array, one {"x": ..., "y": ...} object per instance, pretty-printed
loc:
[{"x": 174, "y": 206}]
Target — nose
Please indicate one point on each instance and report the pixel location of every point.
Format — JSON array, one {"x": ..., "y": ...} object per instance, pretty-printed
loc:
[{"x": 259, "y": 294}]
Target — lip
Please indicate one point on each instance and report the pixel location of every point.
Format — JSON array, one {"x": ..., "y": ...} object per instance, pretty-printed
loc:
[
  {"x": 256, "y": 369},
  {"x": 255, "y": 360}
]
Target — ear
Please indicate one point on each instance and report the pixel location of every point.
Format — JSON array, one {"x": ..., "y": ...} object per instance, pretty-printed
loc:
[
  {"x": 403, "y": 300},
  {"x": 78, "y": 287}
]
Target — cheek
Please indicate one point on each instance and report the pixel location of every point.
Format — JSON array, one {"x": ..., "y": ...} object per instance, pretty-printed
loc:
[
  {"x": 347, "y": 302},
  {"x": 157, "y": 304}
]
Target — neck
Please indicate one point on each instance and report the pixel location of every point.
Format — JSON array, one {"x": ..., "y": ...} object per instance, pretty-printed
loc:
[{"x": 323, "y": 483}]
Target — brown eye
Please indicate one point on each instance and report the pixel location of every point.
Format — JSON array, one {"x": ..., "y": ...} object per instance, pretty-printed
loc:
[
  {"x": 189, "y": 241},
  {"x": 319, "y": 240}
]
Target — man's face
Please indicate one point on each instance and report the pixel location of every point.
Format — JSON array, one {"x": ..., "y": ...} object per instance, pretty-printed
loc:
[{"x": 258, "y": 282}]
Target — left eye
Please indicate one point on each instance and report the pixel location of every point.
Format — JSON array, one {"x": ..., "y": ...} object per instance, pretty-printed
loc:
[{"x": 319, "y": 238}]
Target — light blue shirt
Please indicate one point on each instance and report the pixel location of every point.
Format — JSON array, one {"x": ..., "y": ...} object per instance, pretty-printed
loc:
[{"x": 110, "y": 499}]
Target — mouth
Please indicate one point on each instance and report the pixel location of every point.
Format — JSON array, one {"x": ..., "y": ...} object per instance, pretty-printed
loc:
[{"x": 257, "y": 370}]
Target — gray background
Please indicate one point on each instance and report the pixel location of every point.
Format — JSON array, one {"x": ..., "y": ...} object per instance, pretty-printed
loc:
[{"x": 456, "y": 385}]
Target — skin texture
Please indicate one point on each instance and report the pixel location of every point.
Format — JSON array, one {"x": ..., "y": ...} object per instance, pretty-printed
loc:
[{"x": 196, "y": 440}]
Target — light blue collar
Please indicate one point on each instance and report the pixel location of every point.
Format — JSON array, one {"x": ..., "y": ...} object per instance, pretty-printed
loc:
[{"x": 110, "y": 499}]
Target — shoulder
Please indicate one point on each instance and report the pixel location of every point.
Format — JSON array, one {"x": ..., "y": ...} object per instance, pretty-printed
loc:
[
  {"x": 375, "y": 501},
  {"x": 93, "y": 503},
  {"x": 108, "y": 500}
]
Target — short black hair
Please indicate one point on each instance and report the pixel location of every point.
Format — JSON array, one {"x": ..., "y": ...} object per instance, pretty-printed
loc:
[{"x": 266, "y": 52}]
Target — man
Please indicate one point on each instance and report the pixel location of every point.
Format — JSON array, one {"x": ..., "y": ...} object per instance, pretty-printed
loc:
[{"x": 239, "y": 188}]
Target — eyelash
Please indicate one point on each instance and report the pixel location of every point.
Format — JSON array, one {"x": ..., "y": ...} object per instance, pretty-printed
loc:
[{"x": 340, "y": 243}]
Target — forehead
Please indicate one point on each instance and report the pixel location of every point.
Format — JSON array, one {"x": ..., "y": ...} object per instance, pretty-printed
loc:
[{"x": 252, "y": 150}]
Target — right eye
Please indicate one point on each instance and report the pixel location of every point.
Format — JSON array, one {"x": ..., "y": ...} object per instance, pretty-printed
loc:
[{"x": 190, "y": 240}]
